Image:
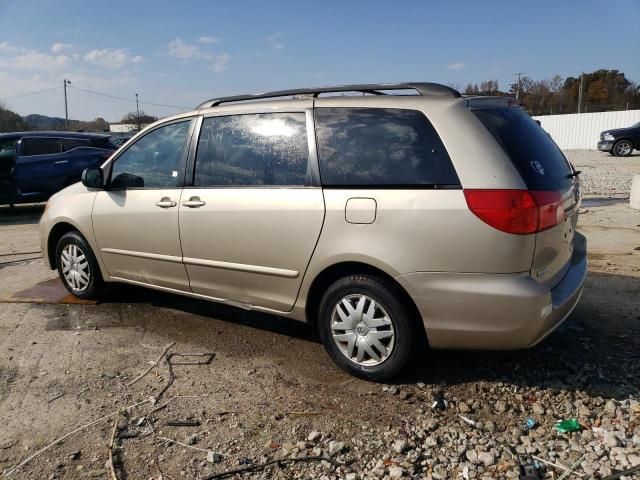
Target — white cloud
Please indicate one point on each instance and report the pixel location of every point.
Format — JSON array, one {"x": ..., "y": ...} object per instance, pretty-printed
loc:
[
  {"x": 185, "y": 51},
  {"x": 179, "y": 49},
  {"x": 59, "y": 47},
  {"x": 208, "y": 40},
  {"x": 34, "y": 60},
  {"x": 219, "y": 63},
  {"x": 276, "y": 40},
  {"x": 7, "y": 47},
  {"x": 111, "y": 58},
  {"x": 456, "y": 66}
]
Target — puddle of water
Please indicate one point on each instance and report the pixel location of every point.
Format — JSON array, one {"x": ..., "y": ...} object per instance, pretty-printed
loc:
[
  {"x": 603, "y": 202},
  {"x": 49, "y": 291}
]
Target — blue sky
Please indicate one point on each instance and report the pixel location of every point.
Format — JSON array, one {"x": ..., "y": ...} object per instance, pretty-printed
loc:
[{"x": 181, "y": 53}]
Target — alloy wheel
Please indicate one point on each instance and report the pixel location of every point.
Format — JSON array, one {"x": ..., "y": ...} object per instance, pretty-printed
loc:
[{"x": 623, "y": 149}]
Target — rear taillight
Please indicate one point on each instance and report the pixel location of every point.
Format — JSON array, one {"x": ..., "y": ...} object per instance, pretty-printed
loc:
[{"x": 516, "y": 211}]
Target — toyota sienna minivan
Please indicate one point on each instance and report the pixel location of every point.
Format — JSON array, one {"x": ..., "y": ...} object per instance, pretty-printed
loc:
[{"x": 400, "y": 213}]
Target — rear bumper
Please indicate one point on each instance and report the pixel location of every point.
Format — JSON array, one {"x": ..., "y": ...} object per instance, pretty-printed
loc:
[
  {"x": 605, "y": 145},
  {"x": 494, "y": 311}
]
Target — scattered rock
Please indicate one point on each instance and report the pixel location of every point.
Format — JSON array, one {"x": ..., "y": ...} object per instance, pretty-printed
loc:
[
  {"x": 335, "y": 447},
  {"x": 213, "y": 457},
  {"x": 486, "y": 458},
  {"x": 399, "y": 446},
  {"x": 314, "y": 436},
  {"x": 396, "y": 472},
  {"x": 192, "y": 439}
]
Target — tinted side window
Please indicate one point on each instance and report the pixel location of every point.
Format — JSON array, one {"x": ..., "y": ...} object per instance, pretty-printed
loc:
[
  {"x": 154, "y": 160},
  {"x": 385, "y": 147},
  {"x": 41, "y": 146},
  {"x": 260, "y": 149},
  {"x": 71, "y": 143},
  {"x": 535, "y": 155}
]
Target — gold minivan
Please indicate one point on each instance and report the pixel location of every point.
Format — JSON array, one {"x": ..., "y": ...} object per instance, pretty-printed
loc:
[{"x": 405, "y": 212}]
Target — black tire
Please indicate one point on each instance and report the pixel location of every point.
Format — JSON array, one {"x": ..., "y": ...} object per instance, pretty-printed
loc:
[
  {"x": 385, "y": 295},
  {"x": 622, "y": 148},
  {"x": 95, "y": 286}
]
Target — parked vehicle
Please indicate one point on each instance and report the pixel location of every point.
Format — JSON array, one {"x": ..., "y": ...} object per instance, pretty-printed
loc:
[
  {"x": 620, "y": 141},
  {"x": 379, "y": 218},
  {"x": 120, "y": 140},
  {"x": 35, "y": 165}
]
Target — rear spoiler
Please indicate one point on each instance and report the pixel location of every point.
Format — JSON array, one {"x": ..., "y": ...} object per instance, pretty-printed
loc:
[{"x": 474, "y": 103}]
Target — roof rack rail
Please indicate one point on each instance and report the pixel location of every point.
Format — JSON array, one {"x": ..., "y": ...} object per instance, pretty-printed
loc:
[{"x": 423, "y": 88}]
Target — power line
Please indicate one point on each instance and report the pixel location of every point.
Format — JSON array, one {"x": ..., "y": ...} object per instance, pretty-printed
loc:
[
  {"x": 124, "y": 99},
  {"x": 36, "y": 92}
]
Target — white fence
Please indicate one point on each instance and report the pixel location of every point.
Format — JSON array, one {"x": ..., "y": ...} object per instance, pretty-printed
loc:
[{"x": 582, "y": 130}]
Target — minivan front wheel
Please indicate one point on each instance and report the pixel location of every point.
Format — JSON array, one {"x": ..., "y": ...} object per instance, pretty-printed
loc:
[
  {"x": 365, "y": 327},
  {"x": 622, "y": 148},
  {"x": 77, "y": 266}
]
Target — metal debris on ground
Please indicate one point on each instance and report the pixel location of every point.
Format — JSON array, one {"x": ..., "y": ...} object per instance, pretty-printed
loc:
[
  {"x": 529, "y": 424},
  {"x": 439, "y": 403},
  {"x": 251, "y": 467},
  {"x": 531, "y": 471},
  {"x": 183, "y": 423},
  {"x": 569, "y": 425},
  {"x": 205, "y": 358}
]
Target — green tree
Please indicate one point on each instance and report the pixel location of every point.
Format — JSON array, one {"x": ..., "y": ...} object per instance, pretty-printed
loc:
[{"x": 11, "y": 121}]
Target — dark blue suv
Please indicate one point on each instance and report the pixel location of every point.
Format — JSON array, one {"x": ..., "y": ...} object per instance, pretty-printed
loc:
[{"x": 35, "y": 165}]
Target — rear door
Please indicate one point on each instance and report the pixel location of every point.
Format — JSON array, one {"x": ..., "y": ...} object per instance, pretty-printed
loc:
[
  {"x": 543, "y": 167},
  {"x": 252, "y": 214},
  {"x": 41, "y": 168}
]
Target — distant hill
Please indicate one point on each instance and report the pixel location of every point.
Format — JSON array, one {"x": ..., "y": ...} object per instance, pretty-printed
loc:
[{"x": 43, "y": 122}]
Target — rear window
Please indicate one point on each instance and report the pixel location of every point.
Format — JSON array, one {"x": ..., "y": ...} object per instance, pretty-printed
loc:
[
  {"x": 71, "y": 143},
  {"x": 381, "y": 147},
  {"x": 535, "y": 155},
  {"x": 41, "y": 146}
]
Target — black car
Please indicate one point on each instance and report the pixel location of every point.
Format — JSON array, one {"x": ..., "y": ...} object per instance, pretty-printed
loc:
[
  {"x": 35, "y": 165},
  {"x": 620, "y": 141}
]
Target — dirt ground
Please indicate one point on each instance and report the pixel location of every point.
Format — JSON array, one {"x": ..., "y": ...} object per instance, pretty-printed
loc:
[{"x": 271, "y": 391}]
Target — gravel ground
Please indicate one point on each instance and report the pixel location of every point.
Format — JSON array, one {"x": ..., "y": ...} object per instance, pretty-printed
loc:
[
  {"x": 603, "y": 174},
  {"x": 271, "y": 392}
]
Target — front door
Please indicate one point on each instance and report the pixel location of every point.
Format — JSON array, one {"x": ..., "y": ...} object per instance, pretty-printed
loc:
[
  {"x": 252, "y": 216},
  {"x": 135, "y": 220}
]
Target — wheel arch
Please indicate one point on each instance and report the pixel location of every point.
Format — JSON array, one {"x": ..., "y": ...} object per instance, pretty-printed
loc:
[
  {"x": 56, "y": 233},
  {"x": 338, "y": 270}
]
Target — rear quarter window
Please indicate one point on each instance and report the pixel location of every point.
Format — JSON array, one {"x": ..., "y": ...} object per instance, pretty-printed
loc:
[
  {"x": 382, "y": 147},
  {"x": 540, "y": 162}
]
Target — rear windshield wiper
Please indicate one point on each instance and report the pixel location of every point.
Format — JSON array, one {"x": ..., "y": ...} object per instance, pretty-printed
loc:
[{"x": 575, "y": 173}]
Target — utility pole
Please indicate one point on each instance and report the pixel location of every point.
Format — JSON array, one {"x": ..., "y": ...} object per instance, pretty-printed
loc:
[
  {"x": 66, "y": 82},
  {"x": 518, "y": 88},
  {"x": 580, "y": 92},
  {"x": 138, "y": 112}
]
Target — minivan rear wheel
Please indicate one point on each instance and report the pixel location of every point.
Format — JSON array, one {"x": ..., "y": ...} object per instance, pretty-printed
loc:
[
  {"x": 365, "y": 326},
  {"x": 78, "y": 267}
]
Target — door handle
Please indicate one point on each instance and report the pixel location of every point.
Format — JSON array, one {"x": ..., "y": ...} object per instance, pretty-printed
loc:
[
  {"x": 60, "y": 162},
  {"x": 166, "y": 202},
  {"x": 193, "y": 202}
]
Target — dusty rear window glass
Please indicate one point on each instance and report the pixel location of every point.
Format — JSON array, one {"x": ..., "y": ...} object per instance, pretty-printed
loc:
[
  {"x": 380, "y": 147},
  {"x": 535, "y": 155},
  {"x": 253, "y": 149}
]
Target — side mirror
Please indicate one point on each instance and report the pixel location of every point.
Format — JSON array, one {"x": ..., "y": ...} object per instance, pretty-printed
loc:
[{"x": 92, "y": 178}]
